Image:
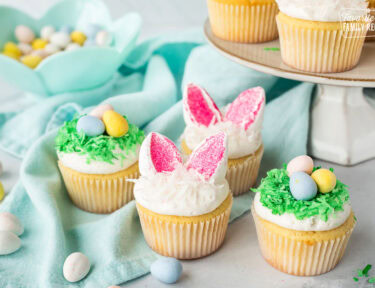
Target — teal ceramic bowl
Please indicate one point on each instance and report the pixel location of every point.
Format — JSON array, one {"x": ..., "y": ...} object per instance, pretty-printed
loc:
[{"x": 77, "y": 70}]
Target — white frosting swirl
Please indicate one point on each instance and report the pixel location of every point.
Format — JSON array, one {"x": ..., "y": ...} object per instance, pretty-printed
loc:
[
  {"x": 180, "y": 193},
  {"x": 79, "y": 163},
  {"x": 314, "y": 223},
  {"x": 323, "y": 10},
  {"x": 241, "y": 142}
]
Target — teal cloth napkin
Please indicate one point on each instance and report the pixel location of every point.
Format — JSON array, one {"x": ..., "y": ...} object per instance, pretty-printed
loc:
[{"x": 148, "y": 90}]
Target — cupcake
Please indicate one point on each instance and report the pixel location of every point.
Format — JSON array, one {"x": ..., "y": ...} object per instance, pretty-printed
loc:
[
  {"x": 97, "y": 153},
  {"x": 303, "y": 221},
  {"x": 246, "y": 21},
  {"x": 313, "y": 37},
  {"x": 241, "y": 121},
  {"x": 184, "y": 209}
]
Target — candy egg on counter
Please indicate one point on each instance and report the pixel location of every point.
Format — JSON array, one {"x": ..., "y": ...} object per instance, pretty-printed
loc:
[
  {"x": 76, "y": 267},
  {"x": 301, "y": 163},
  {"x": 51, "y": 49},
  {"x": 115, "y": 124},
  {"x": 78, "y": 37},
  {"x": 67, "y": 29},
  {"x": 91, "y": 30},
  {"x": 90, "y": 126},
  {"x": 24, "y": 34},
  {"x": 2, "y": 191},
  {"x": 166, "y": 270},
  {"x": 100, "y": 109},
  {"x": 25, "y": 48},
  {"x": 60, "y": 39},
  {"x": 72, "y": 47},
  {"x": 302, "y": 186},
  {"x": 46, "y": 32},
  {"x": 32, "y": 61},
  {"x": 10, "y": 223},
  {"x": 324, "y": 179},
  {"x": 9, "y": 243},
  {"x": 103, "y": 38}
]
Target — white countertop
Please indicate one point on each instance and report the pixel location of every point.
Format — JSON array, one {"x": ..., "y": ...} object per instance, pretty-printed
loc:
[{"x": 239, "y": 262}]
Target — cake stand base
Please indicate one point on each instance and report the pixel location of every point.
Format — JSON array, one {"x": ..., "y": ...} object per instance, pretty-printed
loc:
[{"x": 342, "y": 125}]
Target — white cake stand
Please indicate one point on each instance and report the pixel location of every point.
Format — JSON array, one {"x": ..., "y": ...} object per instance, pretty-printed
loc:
[{"x": 342, "y": 121}]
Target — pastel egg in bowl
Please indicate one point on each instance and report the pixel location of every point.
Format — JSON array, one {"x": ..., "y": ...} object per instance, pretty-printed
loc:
[{"x": 69, "y": 71}]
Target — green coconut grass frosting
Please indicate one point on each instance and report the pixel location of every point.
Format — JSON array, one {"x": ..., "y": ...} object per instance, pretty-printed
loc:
[
  {"x": 98, "y": 148},
  {"x": 275, "y": 195}
]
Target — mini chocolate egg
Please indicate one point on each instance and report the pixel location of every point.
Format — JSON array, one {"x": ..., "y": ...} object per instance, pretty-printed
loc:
[
  {"x": 99, "y": 110},
  {"x": 12, "y": 48},
  {"x": 10, "y": 223},
  {"x": 32, "y": 61},
  {"x": 72, "y": 47},
  {"x": 90, "y": 126},
  {"x": 25, "y": 48},
  {"x": 9, "y": 243},
  {"x": 67, "y": 29},
  {"x": 46, "y": 32},
  {"x": 324, "y": 179},
  {"x": 60, "y": 39},
  {"x": 167, "y": 270},
  {"x": 2, "y": 192},
  {"x": 78, "y": 37},
  {"x": 38, "y": 44},
  {"x": 91, "y": 30},
  {"x": 301, "y": 163},
  {"x": 302, "y": 186},
  {"x": 115, "y": 124},
  {"x": 103, "y": 38},
  {"x": 24, "y": 34},
  {"x": 76, "y": 267},
  {"x": 51, "y": 49}
]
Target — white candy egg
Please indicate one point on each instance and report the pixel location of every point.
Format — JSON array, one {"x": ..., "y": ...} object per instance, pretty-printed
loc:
[
  {"x": 10, "y": 223},
  {"x": 76, "y": 267},
  {"x": 72, "y": 47},
  {"x": 25, "y": 48},
  {"x": 60, "y": 39},
  {"x": 24, "y": 34},
  {"x": 9, "y": 242},
  {"x": 103, "y": 38},
  {"x": 47, "y": 32}
]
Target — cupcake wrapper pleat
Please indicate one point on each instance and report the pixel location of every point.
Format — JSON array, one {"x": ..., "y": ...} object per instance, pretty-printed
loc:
[
  {"x": 318, "y": 50},
  {"x": 100, "y": 193},
  {"x": 254, "y": 23},
  {"x": 300, "y": 257},
  {"x": 184, "y": 240}
]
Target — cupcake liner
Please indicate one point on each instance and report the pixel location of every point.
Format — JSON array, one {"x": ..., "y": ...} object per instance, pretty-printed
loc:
[
  {"x": 100, "y": 193},
  {"x": 302, "y": 253},
  {"x": 243, "y": 22},
  {"x": 321, "y": 47},
  {"x": 186, "y": 237}
]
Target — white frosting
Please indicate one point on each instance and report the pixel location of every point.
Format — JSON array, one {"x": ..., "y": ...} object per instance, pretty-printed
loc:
[
  {"x": 323, "y": 10},
  {"x": 314, "y": 223},
  {"x": 241, "y": 142},
  {"x": 180, "y": 193},
  {"x": 79, "y": 163}
]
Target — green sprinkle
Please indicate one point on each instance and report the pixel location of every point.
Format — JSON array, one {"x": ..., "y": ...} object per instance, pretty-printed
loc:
[
  {"x": 355, "y": 279},
  {"x": 275, "y": 195},
  {"x": 99, "y": 148},
  {"x": 366, "y": 270},
  {"x": 360, "y": 273},
  {"x": 371, "y": 280},
  {"x": 271, "y": 49}
]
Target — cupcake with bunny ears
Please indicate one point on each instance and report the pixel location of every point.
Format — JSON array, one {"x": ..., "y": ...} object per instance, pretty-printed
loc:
[
  {"x": 241, "y": 121},
  {"x": 183, "y": 205}
]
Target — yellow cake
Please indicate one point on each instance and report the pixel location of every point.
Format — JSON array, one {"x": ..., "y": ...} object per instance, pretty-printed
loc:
[{"x": 246, "y": 21}]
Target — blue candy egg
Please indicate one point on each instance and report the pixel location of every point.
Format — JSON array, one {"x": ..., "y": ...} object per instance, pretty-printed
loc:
[
  {"x": 90, "y": 125},
  {"x": 66, "y": 29},
  {"x": 302, "y": 186},
  {"x": 167, "y": 270},
  {"x": 91, "y": 30}
]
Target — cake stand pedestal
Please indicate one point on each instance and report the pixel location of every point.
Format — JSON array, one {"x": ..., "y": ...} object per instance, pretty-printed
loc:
[{"x": 342, "y": 126}]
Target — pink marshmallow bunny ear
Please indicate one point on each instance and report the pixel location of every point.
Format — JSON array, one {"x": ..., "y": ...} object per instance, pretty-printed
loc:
[
  {"x": 158, "y": 154},
  {"x": 247, "y": 107},
  {"x": 210, "y": 158},
  {"x": 199, "y": 108}
]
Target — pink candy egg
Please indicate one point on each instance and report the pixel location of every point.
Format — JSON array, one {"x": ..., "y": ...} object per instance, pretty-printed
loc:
[
  {"x": 301, "y": 163},
  {"x": 99, "y": 110},
  {"x": 24, "y": 34}
]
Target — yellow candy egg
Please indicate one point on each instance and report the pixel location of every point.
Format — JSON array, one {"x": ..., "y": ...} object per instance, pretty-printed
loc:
[
  {"x": 12, "y": 49},
  {"x": 38, "y": 44},
  {"x": 2, "y": 193},
  {"x": 115, "y": 124},
  {"x": 324, "y": 179},
  {"x": 31, "y": 61},
  {"x": 11, "y": 55},
  {"x": 78, "y": 37}
]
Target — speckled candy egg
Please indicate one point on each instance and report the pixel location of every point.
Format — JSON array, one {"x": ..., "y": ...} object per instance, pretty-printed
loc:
[
  {"x": 76, "y": 267},
  {"x": 24, "y": 34},
  {"x": 46, "y": 32},
  {"x": 60, "y": 39},
  {"x": 115, "y": 124},
  {"x": 166, "y": 270},
  {"x": 90, "y": 126},
  {"x": 302, "y": 186},
  {"x": 99, "y": 110},
  {"x": 301, "y": 163},
  {"x": 103, "y": 38},
  {"x": 325, "y": 179},
  {"x": 9, "y": 242},
  {"x": 10, "y": 223}
]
